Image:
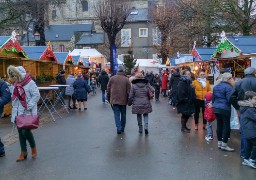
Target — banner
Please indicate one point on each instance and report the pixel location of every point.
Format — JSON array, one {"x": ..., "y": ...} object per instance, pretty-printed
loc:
[{"x": 115, "y": 64}]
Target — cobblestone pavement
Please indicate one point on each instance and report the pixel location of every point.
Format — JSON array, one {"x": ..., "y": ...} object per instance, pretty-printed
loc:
[{"x": 84, "y": 145}]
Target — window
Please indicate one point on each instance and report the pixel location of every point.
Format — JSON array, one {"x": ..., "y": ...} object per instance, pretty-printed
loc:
[
  {"x": 54, "y": 14},
  {"x": 85, "y": 6},
  {"x": 156, "y": 34},
  {"x": 143, "y": 32},
  {"x": 126, "y": 38},
  {"x": 62, "y": 48}
]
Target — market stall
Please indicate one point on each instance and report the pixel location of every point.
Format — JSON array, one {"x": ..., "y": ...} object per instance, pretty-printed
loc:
[
  {"x": 11, "y": 53},
  {"x": 235, "y": 53},
  {"x": 66, "y": 61},
  {"x": 90, "y": 59},
  {"x": 44, "y": 65}
]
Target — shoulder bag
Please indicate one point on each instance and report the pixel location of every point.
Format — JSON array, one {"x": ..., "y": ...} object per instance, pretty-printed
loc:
[{"x": 27, "y": 121}]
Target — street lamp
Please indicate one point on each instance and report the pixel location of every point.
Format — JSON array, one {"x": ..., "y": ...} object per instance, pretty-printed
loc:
[{"x": 37, "y": 36}]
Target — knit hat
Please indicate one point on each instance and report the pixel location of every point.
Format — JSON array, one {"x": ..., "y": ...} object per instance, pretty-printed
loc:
[
  {"x": 79, "y": 75},
  {"x": 249, "y": 71},
  {"x": 121, "y": 68}
]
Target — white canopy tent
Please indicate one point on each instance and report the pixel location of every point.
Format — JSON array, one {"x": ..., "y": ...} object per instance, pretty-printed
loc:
[
  {"x": 149, "y": 65},
  {"x": 92, "y": 54}
]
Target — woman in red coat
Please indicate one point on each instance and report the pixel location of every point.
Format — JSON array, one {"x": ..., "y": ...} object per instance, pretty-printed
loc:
[{"x": 164, "y": 84}]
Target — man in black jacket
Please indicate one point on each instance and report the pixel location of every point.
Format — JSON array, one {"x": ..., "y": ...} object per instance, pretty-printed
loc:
[
  {"x": 103, "y": 80},
  {"x": 248, "y": 83},
  {"x": 5, "y": 97}
]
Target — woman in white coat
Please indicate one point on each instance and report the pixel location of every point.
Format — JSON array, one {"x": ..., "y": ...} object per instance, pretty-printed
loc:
[{"x": 25, "y": 96}]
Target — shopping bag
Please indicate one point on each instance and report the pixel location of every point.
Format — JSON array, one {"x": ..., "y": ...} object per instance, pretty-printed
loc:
[{"x": 234, "y": 119}]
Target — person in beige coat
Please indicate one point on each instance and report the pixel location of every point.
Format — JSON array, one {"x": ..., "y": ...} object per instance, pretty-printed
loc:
[{"x": 118, "y": 90}]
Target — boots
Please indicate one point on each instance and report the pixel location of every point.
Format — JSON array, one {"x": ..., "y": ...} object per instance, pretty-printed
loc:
[
  {"x": 140, "y": 129},
  {"x": 183, "y": 126},
  {"x": 225, "y": 147},
  {"x": 34, "y": 152},
  {"x": 22, "y": 157}
]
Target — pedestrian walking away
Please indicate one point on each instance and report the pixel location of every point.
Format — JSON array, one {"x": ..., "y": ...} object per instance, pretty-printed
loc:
[
  {"x": 202, "y": 86},
  {"x": 118, "y": 90},
  {"x": 140, "y": 101},
  {"x": 25, "y": 96},
  {"x": 248, "y": 83},
  {"x": 185, "y": 99},
  {"x": 164, "y": 84},
  {"x": 175, "y": 78},
  {"x": 248, "y": 126},
  {"x": 103, "y": 80},
  {"x": 157, "y": 85},
  {"x": 222, "y": 110},
  {"x": 5, "y": 97},
  {"x": 70, "y": 90},
  {"x": 93, "y": 86},
  {"x": 81, "y": 90}
]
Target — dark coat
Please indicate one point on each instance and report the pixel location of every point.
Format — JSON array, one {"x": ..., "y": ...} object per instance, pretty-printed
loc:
[
  {"x": 118, "y": 89},
  {"x": 81, "y": 89},
  {"x": 61, "y": 79},
  {"x": 103, "y": 80},
  {"x": 5, "y": 95},
  {"x": 139, "y": 96},
  {"x": 246, "y": 84},
  {"x": 248, "y": 121},
  {"x": 150, "y": 78},
  {"x": 221, "y": 96},
  {"x": 157, "y": 83},
  {"x": 174, "y": 81},
  {"x": 186, "y": 96}
]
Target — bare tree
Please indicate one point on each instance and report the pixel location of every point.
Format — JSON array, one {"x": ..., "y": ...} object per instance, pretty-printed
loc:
[
  {"x": 112, "y": 15},
  {"x": 166, "y": 17}
]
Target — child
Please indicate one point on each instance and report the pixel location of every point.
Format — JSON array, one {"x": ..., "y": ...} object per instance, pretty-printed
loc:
[
  {"x": 248, "y": 126},
  {"x": 94, "y": 86},
  {"x": 209, "y": 116}
]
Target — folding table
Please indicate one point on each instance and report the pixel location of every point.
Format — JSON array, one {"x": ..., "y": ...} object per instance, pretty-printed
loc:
[
  {"x": 46, "y": 100},
  {"x": 59, "y": 95}
]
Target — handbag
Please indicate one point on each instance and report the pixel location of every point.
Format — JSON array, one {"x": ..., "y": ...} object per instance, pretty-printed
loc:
[
  {"x": 24, "y": 121},
  {"x": 150, "y": 94}
]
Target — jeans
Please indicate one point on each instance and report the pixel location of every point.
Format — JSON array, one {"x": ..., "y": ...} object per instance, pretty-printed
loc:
[
  {"x": 120, "y": 120},
  {"x": 73, "y": 99},
  {"x": 1, "y": 146},
  {"x": 209, "y": 129},
  {"x": 139, "y": 119},
  {"x": 94, "y": 90},
  {"x": 198, "y": 105},
  {"x": 251, "y": 149},
  {"x": 103, "y": 95},
  {"x": 223, "y": 127},
  {"x": 157, "y": 92},
  {"x": 26, "y": 135}
]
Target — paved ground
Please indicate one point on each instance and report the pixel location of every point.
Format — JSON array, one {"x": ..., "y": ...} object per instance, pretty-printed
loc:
[{"x": 84, "y": 145}]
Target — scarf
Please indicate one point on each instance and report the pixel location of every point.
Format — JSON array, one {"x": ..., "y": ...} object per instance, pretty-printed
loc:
[
  {"x": 19, "y": 91},
  {"x": 202, "y": 81}
]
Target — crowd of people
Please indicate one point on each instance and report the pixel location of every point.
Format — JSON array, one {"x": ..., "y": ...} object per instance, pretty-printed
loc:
[{"x": 190, "y": 94}]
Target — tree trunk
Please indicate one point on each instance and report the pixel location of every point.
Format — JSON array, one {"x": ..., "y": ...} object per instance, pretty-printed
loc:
[{"x": 112, "y": 45}]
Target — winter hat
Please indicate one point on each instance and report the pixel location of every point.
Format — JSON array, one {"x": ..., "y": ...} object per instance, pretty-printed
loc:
[
  {"x": 249, "y": 71},
  {"x": 121, "y": 68},
  {"x": 18, "y": 71},
  {"x": 79, "y": 75},
  {"x": 62, "y": 72}
]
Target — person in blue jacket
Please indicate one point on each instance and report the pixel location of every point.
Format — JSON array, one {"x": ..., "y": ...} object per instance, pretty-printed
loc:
[{"x": 5, "y": 97}]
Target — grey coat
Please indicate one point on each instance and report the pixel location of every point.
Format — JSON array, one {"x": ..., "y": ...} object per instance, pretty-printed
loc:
[
  {"x": 139, "y": 96},
  {"x": 32, "y": 97},
  {"x": 70, "y": 89}
]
